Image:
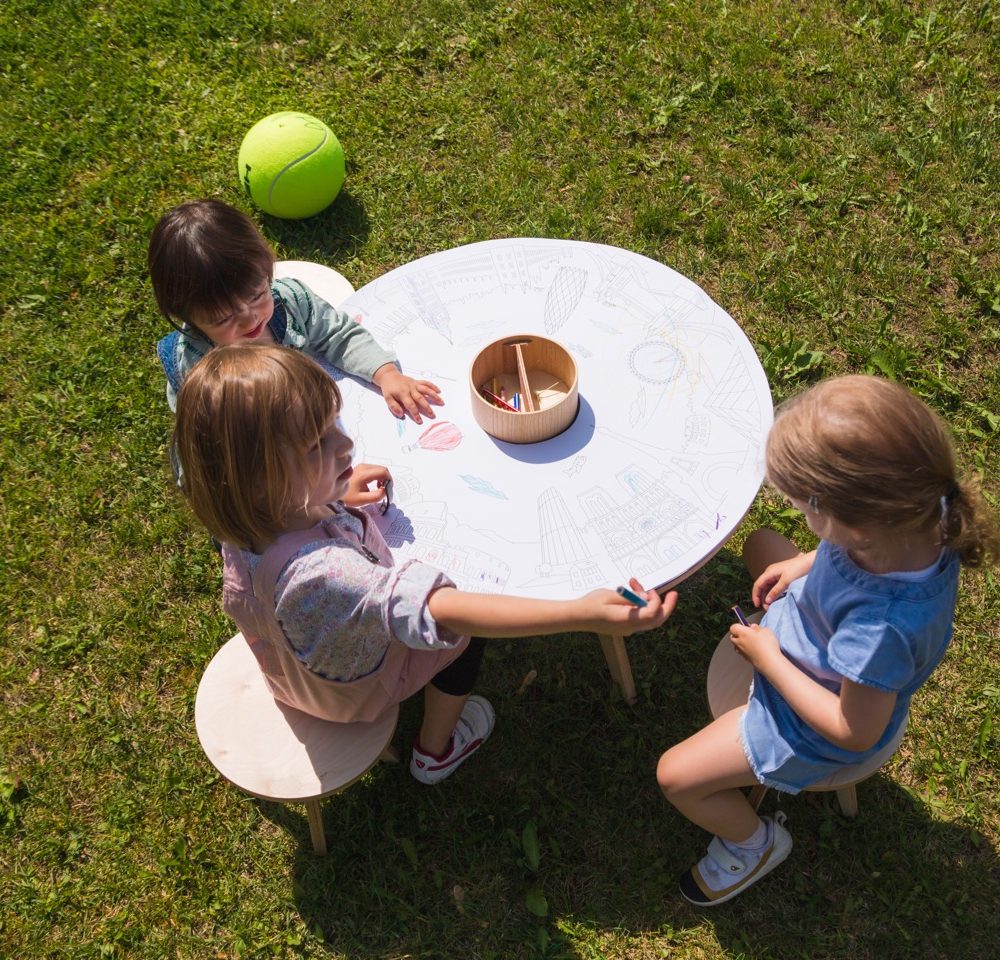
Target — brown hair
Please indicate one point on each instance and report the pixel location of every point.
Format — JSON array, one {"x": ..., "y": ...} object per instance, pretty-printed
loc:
[
  {"x": 206, "y": 256},
  {"x": 247, "y": 415},
  {"x": 868, "y": 453}
]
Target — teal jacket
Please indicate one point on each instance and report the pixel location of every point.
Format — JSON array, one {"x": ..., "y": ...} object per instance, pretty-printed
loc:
[{"x": 300, "y": 320}]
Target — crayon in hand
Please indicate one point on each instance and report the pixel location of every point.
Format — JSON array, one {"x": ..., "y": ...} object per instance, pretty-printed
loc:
[
  {"x": 739, "y": 615},
  {"x": 632, "y": 598}
]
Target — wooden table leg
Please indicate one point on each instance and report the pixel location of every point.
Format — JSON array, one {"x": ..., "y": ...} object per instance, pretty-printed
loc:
[
  {"x": 315, "y": 812},
  {"x": 618, "y": 663}
]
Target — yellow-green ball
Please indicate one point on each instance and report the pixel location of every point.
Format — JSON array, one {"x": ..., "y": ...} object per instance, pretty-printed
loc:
[{"x": 291, "y": 165}]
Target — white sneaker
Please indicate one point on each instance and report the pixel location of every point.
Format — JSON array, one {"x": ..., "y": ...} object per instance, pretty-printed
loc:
[
  {"x": 726, "y": 871},
  {"x": 473, "y": 727}
]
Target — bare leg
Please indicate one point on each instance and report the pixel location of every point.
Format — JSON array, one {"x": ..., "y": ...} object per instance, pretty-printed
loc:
[
  {"x": 764, "y": 547},
  {"x": 702, "y": 775},
  {"x": 441, "y": 713}
]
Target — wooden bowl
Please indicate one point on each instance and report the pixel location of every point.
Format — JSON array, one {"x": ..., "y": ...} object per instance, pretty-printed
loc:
[{"x": 550, "y": 372}]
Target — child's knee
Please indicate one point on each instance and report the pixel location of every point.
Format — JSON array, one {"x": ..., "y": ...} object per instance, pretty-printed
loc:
[{"x": 668, "y": 773}]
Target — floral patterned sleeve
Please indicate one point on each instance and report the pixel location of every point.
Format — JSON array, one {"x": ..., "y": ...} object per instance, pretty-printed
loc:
[{"x": 339, "y": 611}]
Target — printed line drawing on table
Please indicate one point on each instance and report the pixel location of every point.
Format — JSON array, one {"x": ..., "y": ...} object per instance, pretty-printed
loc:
[
  {"x": 420, "y": 532},
  {"x": 563, "y": 296},
  {"x": 657, "y": 473}
]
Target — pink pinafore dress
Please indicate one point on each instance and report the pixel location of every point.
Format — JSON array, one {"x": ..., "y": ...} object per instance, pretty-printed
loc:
[{"x": 249, "y": 600}]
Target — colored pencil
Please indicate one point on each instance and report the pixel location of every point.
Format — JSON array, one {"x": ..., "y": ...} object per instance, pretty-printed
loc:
[
  {"x": 632, "y": 598},
  {"x": 493, "y": 398}
]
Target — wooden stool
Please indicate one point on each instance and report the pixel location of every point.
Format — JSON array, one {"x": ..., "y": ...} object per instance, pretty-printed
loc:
[
  {"x": 729, "y": 677},
  {"x": 273, "y": 751},
  {"x": 322, "y": 280}
]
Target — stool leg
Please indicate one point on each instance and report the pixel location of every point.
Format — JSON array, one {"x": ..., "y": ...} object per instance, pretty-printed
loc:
[
  {"x": 764, "y": 547},
  {"x": 315, "y": 813},
  {"x": 619, "y": 665},
  {"x": 389, "y": 755},
  {"x": 847, "y": 797},
  {"x": 756, "y": 795}
]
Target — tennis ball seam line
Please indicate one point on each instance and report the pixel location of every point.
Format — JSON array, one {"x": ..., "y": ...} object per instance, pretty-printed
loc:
[{"x": 288, "y": 166}]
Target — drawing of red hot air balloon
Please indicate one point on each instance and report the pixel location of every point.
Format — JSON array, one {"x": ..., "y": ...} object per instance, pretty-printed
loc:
[{"x": 438, "y": 437}]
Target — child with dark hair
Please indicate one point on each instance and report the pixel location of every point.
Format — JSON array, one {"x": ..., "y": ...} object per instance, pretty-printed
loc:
[{"x": 212, "y": 276}]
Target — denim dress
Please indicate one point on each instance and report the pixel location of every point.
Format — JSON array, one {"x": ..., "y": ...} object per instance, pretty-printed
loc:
[{"x": 882, "y": 631}]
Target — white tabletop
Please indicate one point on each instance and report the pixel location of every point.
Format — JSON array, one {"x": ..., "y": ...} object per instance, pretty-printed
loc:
[{"x": 661, "y": 464}]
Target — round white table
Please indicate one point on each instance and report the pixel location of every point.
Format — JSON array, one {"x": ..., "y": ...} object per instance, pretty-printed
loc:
[{"x": 661, "y": 464}]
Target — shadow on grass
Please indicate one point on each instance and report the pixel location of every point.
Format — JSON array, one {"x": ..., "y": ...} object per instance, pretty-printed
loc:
[
  {"x": 449, "y": 871},
  {"x": 332, "y": 236}
]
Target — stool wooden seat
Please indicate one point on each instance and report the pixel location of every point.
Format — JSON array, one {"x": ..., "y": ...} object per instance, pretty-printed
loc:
[
  {"x": 273, "y": 751},
  {"x": 729, "y": 677},
  {"x": 324, "y": 281}
]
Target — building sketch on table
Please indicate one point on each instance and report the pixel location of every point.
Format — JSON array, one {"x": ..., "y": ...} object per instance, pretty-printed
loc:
[
  {"x": 419, "y": 534},
  {"x": 732, "y": 399},
  {"x": 636, "y": 527},
  {"x": 563, "y": 549},
  {"x": 430, "y": 307},
  {"x": 701, "y": 479}
]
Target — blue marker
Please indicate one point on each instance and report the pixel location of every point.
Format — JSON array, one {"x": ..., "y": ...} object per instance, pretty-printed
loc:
[{"x": 632, "y": 598}]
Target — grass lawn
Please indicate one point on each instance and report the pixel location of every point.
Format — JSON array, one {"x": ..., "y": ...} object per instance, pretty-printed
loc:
[{"x": 828, "y": 173}]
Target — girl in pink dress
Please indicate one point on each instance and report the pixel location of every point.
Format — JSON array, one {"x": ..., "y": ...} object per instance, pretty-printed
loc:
[{"x": 339, "y": 630}]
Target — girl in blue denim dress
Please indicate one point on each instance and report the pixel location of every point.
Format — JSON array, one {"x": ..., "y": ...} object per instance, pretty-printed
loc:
[{"x": 851, "y": 630}]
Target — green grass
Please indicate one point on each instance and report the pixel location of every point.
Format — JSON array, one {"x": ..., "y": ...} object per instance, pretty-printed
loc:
[{"x": 827, "y": 172}]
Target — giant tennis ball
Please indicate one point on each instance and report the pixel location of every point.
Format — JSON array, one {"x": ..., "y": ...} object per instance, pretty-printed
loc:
[{"x": 291, "y": 165}]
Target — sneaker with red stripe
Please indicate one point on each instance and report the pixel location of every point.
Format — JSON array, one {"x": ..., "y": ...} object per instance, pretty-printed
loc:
[{"x": 473, "y": 727}]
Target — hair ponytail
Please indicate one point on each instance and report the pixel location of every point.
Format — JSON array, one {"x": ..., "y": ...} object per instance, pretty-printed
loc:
[{"x": 968, "y": 527}]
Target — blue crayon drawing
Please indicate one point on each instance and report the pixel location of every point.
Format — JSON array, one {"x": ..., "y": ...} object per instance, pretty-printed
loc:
[{"x": 479, "y": 485}]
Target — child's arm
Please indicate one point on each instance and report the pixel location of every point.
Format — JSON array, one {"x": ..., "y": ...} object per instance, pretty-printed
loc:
[
  {"x": 774, "y": 581},
  {"x": 601, "y": 611},
  {"x": 853, "y": 719},
  {"x": 405, "y": 396},
  {"x": 318, "y": 328}
]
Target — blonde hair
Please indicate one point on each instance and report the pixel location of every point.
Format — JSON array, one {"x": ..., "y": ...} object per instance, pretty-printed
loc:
[
  {"x": 247, "y": 416},
  {"x": 868, "y": 453}
]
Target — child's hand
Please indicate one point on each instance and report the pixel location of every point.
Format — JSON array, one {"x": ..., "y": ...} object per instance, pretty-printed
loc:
[
  {"x": 366, "y": 483},
  {"x": 774, "y": 581},
  {"x": 756, "y": 644},
  {"x": 404, "y": 396},
  {"x": 614, "y": 614}
]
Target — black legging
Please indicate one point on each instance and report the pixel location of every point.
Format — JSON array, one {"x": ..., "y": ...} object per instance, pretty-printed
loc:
[{"x": 459, "y": 677}]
